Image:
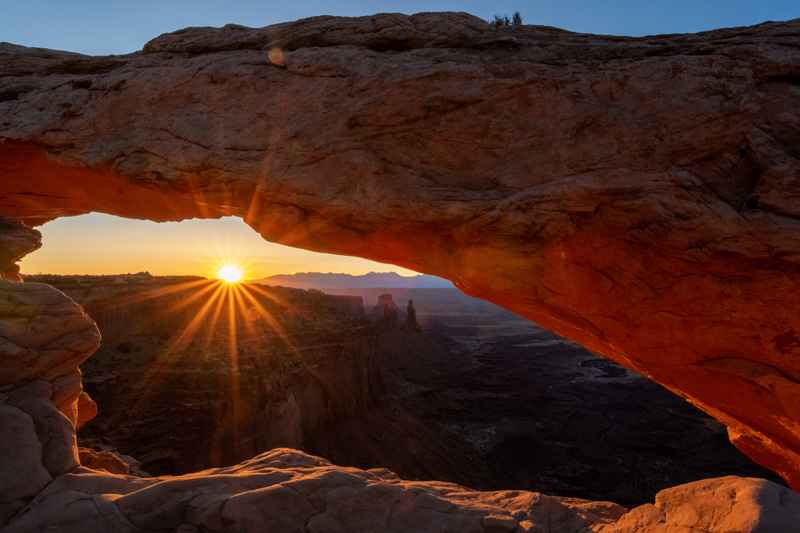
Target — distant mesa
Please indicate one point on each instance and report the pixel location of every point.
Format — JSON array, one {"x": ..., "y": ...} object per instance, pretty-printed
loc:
[
  {"x": 372, "y": 280},
  {"x": 386, "y": 310},
  {"x": 137, "y": 278}
]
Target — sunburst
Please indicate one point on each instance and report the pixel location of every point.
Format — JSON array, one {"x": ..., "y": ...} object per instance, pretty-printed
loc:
[{"x": 230, "y": 273}]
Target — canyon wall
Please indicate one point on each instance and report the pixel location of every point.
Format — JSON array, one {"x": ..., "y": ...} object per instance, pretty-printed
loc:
[
  {"x": 261, "y": 368},
  {"x": 637, "y": 195}
]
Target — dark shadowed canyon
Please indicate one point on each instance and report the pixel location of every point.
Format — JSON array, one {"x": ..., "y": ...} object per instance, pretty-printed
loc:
[{"x": 191, "y": 376}]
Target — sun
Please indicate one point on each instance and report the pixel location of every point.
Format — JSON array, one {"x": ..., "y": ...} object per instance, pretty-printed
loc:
[{"x": 229, "y": 273}]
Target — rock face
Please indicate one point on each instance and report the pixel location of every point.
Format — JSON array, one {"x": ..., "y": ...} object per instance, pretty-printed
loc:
[
  {"x": 44, "y": 336},
  {"x": 639, "y": 196},
  {"x": 16, "y": 240},
  {"x": 107, "y": 460},
  {"x": 715, "y": 505},
  {"x": 386, "y": 310},
  {"x": 287, "y": 491}
]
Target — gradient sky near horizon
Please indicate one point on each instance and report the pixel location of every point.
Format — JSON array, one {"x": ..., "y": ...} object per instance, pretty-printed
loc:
[{"x": 95, "y": 243}]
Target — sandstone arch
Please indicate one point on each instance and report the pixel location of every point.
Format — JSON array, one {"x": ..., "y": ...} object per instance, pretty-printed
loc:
[{"x": 638, "y": 195}]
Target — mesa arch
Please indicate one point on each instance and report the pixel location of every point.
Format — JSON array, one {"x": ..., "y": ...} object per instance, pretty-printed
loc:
[{"x": 638, "y": 195}]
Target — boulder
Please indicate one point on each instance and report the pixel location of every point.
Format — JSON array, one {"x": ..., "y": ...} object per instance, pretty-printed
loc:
[
  {"x": 55, "y": 431},
  {"x": 107, "y": 460},
  {"x": 286, "y": 490},
  {"x": 87, "y": 410},
  {"x": 44, "y": 336},
  {"x": 720, "y": 505},
  {"x": 22, "y": 474},
  {"x": 43, "y": 333}
]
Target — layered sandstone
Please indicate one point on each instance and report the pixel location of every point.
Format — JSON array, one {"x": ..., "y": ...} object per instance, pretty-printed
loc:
[
  {"x": 639, "y": 196},
  {"x": 16, "y": 241},
  {"x": 44, "y": 336}
]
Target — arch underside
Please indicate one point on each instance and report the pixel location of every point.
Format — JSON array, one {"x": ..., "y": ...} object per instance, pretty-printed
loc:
[{"x": 639, "y": 196}]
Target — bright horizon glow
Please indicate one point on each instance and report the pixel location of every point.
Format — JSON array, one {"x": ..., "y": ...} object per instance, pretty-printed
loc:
[
  {"x": 104, "y": 244},
  {"x": 229, "y": 273}
]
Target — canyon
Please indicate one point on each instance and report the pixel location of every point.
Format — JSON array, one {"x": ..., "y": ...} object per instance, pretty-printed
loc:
[
  {"x": 636, "y": 195},
  {"x": 471, "y": 394},
  {"x": 308, "y": 370},
  {"x": 193, "y": 373}
]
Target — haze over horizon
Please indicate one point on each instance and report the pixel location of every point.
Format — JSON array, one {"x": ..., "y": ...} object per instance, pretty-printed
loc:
[{"x": 113, "y": 245}]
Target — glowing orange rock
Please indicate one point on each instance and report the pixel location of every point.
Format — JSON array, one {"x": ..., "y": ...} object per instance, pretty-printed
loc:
[{"x": 637, "y": 195}]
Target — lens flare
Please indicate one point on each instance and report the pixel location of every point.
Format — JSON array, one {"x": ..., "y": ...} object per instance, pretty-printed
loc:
[{"x": 229, "y": 273}]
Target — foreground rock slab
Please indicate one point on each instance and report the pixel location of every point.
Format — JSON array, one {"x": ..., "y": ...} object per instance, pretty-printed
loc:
[{"x": 288, "y": 491}]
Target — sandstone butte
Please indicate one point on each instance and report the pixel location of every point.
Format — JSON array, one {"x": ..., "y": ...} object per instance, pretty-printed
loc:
[{"x": 640, "y": 196}]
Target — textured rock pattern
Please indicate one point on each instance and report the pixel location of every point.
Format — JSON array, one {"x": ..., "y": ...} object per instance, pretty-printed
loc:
[
  {"x": 638, "y": 195},
  {"x": 719, "y": 505},
  {"x": 288, "y": 491},
  {"x": 107, "y": 460},
  {"x": 16, "y": 240},
  {"x": 44, "y": 336}
]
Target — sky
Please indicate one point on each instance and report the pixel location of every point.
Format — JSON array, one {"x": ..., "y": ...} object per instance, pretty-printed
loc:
[
  {"x": 103, "y": 244},
  {"x": 113, "y": 245}
]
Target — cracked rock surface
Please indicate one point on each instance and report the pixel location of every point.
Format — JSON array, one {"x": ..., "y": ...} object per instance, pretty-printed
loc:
[
  {"x": 637, "y": 195},
  {"x": 286, "y": 490}
]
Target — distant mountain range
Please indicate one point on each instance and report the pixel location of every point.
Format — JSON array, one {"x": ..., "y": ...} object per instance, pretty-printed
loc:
[{"x": 373, "y": 280}]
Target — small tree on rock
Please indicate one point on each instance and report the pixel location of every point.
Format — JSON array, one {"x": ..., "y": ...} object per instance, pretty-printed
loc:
[{"x": 503, "y": 21}]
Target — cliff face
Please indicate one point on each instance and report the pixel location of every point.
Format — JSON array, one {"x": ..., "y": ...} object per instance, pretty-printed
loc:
[{"x": 193, "y": 374}]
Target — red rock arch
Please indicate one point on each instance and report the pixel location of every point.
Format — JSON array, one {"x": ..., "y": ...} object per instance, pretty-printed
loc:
[{"x": 639, "y": 196}]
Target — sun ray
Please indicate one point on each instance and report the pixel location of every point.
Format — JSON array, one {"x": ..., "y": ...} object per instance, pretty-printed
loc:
[
  {"x": 224, "y": 309},
  {"x": 263, "y": 291},
  {"x": 233, "y": 355},
  {"x": 211, "y": 330},
  {"x": 164, "y": 360},
  {"x": 269, "y": 319},
  {"x": 241, "y": 308},
  {"x": 185, "y": 335},
  {"x": 151, "y": 294}
]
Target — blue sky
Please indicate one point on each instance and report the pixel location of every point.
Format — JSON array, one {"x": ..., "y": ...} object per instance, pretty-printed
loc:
[{"x": 116, "y": 26}]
